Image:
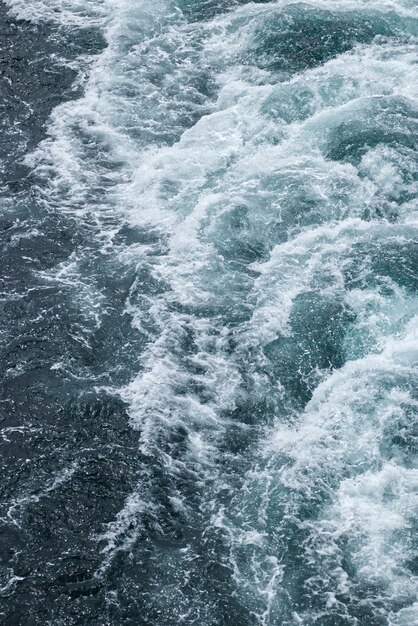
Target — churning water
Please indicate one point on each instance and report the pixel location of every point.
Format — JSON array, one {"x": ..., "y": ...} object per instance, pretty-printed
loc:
[{"x": 209, "y": 240}]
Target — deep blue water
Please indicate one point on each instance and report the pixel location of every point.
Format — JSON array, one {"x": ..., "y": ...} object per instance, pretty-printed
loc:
[{"x": 209, "y": 312}]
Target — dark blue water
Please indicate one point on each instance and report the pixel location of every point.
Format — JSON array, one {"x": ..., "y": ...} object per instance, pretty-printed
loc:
[{"x": 209, "y": 321}]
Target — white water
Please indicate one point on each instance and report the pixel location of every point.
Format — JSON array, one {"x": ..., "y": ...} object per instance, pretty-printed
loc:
[{"x": 264, "y": 295}]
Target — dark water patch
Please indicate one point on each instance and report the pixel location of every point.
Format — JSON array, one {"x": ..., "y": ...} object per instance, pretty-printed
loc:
[
  {"x": 315, "y": 345},
  {"x": 290, "y": 103},
  {"x": 241, "y": 241},
  {"x": 371, "y": 263},
  {"x": 400, "y": 436},
  {"x": 285, "y": 205},
  {"x": 48, "y": 538},
  {"x": 33, "y": 80},
  {"x": 202, "y": 10},
  {"x": 385, "y": 121},
  {"x": 301, "y": 37},
  {"x": 200, "y": 567},
  {"x": 68, "y": 454}
]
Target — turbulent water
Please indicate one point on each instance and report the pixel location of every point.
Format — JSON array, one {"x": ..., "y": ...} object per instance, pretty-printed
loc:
[{"x": 209, "y": 320}]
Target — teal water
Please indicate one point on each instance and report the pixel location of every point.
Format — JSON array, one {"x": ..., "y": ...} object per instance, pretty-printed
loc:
[{"x": 245, "y": 176}]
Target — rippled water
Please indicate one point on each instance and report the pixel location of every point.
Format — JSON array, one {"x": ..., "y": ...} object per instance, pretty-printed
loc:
[{"x": 209, "y": 332}]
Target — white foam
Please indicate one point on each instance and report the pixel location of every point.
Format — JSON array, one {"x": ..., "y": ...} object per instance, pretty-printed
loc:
[
  {"x": 65, "y": 12},
  {"x": 249, "y": 148}
]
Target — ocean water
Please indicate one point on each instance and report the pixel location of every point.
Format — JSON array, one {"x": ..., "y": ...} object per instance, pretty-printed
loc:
[{"x": 209, "y": 320}]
